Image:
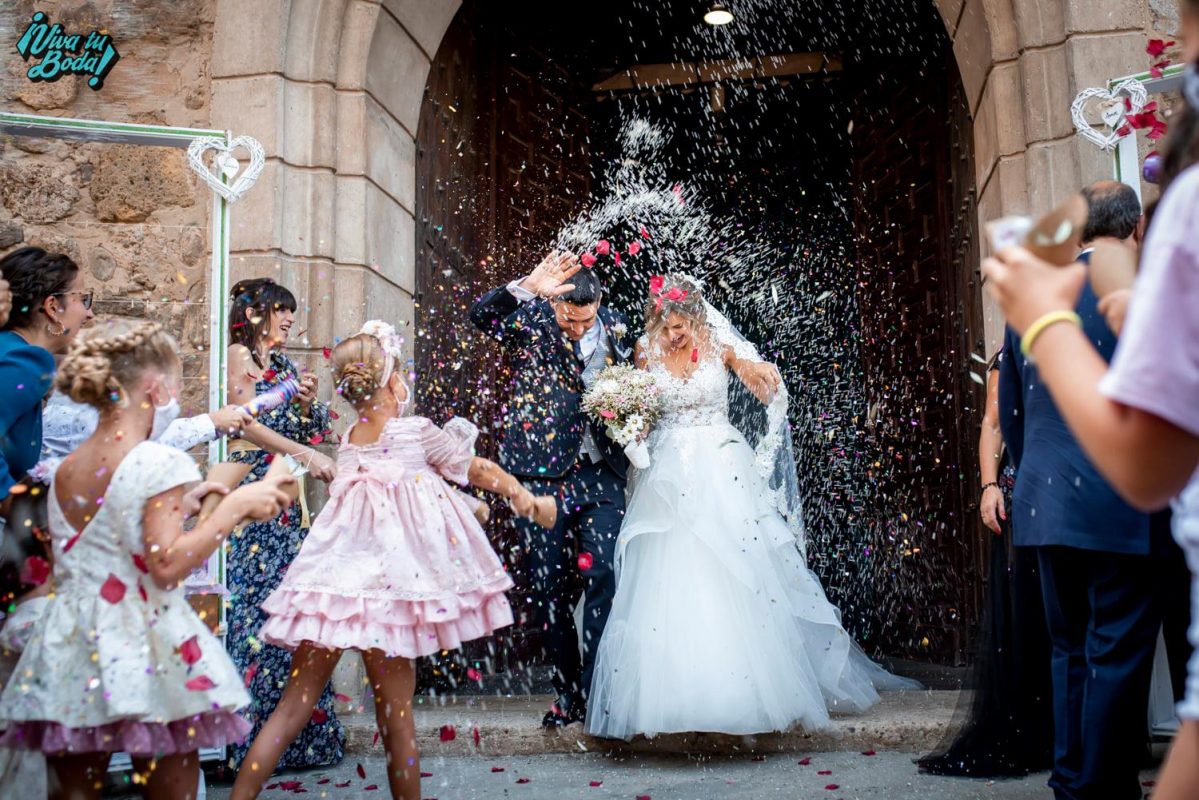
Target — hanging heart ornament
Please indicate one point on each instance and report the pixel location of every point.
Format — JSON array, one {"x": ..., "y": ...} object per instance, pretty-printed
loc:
[
  {"x": 234, "y": 185},
  {"x": 1113, "y": 109}
]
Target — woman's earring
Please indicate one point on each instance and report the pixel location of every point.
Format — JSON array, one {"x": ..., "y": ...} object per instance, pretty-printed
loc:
[{"x": 52, "y": 332}]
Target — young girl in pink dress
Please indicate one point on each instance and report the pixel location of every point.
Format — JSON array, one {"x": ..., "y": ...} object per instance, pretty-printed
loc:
[
  {"x": 395, "y": 566},
  {"x": 118, "y": 660}
]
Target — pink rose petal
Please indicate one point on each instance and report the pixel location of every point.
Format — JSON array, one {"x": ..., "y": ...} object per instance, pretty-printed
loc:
[
  {"x": 189, "y": 651},
  {"x": 113, "y": 589}
]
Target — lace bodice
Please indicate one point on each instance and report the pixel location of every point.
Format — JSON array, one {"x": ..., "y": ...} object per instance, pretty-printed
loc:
[{"x": 702, "y": 399}]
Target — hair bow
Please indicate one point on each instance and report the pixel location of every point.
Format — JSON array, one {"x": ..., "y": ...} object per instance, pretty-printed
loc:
[{"x": 392, "y": 343}]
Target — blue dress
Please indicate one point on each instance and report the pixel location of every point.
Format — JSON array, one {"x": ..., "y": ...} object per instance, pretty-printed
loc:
[{"x": 257, "y": 558}]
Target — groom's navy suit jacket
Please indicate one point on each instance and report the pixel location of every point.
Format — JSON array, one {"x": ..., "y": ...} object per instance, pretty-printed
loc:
[
  {"x": 1060, "y": 497},
  {"x": 544, "y": 421}
]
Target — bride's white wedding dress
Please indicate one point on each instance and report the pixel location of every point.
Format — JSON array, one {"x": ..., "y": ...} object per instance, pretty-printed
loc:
[{"x": 717, "y": 624}]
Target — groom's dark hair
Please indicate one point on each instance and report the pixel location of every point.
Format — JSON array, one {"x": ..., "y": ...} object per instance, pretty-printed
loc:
[{"x": 588, "y": 288}]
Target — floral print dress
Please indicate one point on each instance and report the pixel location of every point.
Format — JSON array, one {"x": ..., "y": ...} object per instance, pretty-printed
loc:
[{"x": 257, "y": 558}]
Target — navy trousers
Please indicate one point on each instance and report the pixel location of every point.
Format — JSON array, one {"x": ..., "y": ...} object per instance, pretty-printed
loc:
[
  {"x": 590, "y": 511},
  {"x": 1103, "y": 621}
]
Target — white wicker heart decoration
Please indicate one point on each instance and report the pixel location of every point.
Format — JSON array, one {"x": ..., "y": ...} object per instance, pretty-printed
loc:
[
  {"x": 227, "y": 164},
  {"x": 1112, "y": 111}
]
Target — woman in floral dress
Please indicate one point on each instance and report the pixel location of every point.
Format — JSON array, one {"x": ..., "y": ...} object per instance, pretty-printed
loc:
[{"x": 258, "y": 556}]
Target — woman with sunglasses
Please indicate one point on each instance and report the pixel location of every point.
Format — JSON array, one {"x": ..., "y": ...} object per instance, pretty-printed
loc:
[{"x": 49, "y": 308}]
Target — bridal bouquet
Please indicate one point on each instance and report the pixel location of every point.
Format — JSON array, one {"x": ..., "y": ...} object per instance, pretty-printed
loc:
[{"x": 626, "y": 401}]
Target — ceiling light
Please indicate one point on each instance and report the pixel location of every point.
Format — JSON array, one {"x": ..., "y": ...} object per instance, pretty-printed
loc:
[{"x": 718, "y": 15}]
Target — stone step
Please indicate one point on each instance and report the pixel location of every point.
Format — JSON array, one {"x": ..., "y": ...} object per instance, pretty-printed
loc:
[{"x": 509, "y": 726}]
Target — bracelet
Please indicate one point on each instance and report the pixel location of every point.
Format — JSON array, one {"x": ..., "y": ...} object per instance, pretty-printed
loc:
[
  {"x": 1038, "y": 327},
  {"x": 986, "y": 486}
]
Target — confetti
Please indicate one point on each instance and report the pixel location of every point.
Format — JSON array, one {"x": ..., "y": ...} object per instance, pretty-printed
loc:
[
  {"x": 361, "y": 772},
  {"x": 200, "y": 683},
  {"x": 189, "y": 651},
  {"x": 447, "y": 733},
  {"x": 35, "y": 571},
  {"x": 113, "y": 589}
]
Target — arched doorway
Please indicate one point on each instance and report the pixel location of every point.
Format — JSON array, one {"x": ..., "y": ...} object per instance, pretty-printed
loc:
[{"x": 853, "y": 143}]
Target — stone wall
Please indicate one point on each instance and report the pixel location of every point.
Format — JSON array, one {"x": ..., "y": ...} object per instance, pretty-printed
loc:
[
  {"x": 1023, "y": 62},
  {"x": 134, "y": 218}
]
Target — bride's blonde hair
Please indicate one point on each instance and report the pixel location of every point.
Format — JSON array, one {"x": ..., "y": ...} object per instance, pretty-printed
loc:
[{"x": 675, "y": 294}]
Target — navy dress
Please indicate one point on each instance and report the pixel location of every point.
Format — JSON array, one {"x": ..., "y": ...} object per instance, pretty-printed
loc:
[{"x": 257, "y": 558}]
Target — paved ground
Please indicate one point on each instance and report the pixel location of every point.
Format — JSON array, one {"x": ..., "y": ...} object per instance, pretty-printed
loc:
[{"x": 889, "y": 776}]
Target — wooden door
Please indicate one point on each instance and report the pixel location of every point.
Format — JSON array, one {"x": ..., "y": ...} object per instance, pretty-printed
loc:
[
  {"x": 920, "y": 312},
  {"x": 502, "y": 164}
]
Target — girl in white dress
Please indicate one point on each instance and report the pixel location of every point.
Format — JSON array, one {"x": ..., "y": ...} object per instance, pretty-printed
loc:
[
  {"x": 119, "y": 661},
  {"x": 717, "y": 624}
]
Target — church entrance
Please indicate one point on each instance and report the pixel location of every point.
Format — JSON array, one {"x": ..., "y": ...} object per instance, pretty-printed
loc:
[{"x": 842, "y": 137}]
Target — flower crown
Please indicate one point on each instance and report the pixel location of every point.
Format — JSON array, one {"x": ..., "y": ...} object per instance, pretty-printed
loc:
[
  {"x": 675, "y": 294},
  {"x": 392, "y": 343}
]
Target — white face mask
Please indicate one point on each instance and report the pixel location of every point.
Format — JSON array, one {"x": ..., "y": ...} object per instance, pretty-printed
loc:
[{"x": 164, "y": 415}]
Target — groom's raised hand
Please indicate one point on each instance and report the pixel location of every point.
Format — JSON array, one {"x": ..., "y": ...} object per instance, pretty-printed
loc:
[{"x": 550, "y": 278}]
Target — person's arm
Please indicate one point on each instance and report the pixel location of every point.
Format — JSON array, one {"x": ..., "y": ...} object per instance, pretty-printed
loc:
[
  {"x": 26, "y": 375},
  {"x": 1145, "y": 457},
  {"x": 185, "y": 433},
  {"x": 505, "y": 313},
  {"x": 241, "y": 380},
  {"x": 990, "y": 448},
  {"x": 172, "y": 554},
  {"x": 761, "y": 378}
]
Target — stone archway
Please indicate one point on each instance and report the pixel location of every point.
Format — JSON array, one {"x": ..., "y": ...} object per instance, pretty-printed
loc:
[{"x": 333, "y": 87}]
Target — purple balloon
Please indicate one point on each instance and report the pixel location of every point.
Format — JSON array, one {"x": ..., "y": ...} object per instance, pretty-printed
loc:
[{"x": 1152, "y": 171}]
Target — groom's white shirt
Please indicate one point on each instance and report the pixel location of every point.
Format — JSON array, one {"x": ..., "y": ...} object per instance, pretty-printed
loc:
[{"x": 590, "y": 339}]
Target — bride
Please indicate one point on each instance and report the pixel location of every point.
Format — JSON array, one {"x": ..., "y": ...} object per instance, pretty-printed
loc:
[{"x": 717, "y": 624}]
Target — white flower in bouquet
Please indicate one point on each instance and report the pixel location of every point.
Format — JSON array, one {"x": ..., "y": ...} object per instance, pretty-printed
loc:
[{"x": 626, "y": 400}]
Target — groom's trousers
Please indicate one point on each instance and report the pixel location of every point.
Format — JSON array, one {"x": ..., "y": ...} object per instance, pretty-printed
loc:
[
  {"x": 1103, "y": 621},
  {"x": 591, "y": 505}
]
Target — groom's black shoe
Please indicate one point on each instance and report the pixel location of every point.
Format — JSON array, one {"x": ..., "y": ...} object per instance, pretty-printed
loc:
[{"x": 568, "y": 708}]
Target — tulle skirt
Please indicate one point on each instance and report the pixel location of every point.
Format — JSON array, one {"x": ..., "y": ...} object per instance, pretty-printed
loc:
[{"x": 717, "y": 624}]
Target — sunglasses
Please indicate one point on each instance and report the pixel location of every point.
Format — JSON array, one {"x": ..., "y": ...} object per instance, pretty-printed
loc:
[{"x": 85, "y": 298}]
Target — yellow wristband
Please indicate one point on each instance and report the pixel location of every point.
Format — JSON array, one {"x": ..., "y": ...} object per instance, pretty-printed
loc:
[{"x": 1038, "y": 327}]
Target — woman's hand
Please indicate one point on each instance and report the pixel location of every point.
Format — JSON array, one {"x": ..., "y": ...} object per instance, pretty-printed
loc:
[
  {"x": 320, "y": 465},
  {"x": 230, "y": 419},
  {"x": 992, "y": 508},
  {"x": 308, "y": 385},
  {"x": 193, "y": 499},
  {"x": 1027, "y": 288},
  {"x": 1114, "y": 307},
  {"x": 760, "y": 378}
]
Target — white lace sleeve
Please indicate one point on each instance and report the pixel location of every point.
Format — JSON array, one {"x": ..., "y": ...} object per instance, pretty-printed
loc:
[
  {"x": 728, "y": 336},
  {"x": 187, "y": 432}
]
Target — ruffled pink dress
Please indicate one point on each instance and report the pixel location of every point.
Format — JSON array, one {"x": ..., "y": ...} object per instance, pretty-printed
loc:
[{"x": 396, "y": 560}]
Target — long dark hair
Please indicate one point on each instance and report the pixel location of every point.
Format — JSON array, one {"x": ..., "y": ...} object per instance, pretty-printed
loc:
[
  {"x": 33, "y": 274},
  {"x": 265, "y": 297}
]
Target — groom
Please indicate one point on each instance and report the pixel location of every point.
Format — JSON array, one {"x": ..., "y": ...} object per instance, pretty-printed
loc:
[{"x": 560, "y": 337}]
